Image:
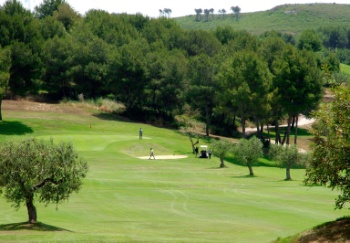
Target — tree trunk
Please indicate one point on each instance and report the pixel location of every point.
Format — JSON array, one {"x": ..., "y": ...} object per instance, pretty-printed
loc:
[
  {"x": 257, "y": 127},
  {"x": 288, "y": 177},
  {"x": 288, "y": 128},
  {"x": 243, "y": 126},
  {"x": 250, "y": 169},
  {"x": 296, "y": 129},
  {"x": 277, "y": 131},
  {"x": 0, "y": 108},
  {"x": 222, "y": 165},
  {"x": 32, "y": 218},
  {"x": 193, "y": 144},
  {"x": 207, "y": 121}
]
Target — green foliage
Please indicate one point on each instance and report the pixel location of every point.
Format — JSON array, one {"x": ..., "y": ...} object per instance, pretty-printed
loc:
[
  {"x": 201, "y": 93},
  {"x": 5, "y": 64},
  {"x": 48, "y": 8},
  {"x": 221, "y": 148},
  {"x": 26, "y": 70},
  {"x": 287, "y": 157},
  {"x": 17, "y": 24},
  {"x": 245, "y": 82},
  {"x": 330, "y": 156},
  {"x": 165, "y": 72},
  {"x": 153, "y": 65},
  {"x": 199, "y": 41},
  {"x": 236, "y": 10},
  {"x": 36, "y": 167},
  {"x": 66, "y": 15},
  {"x": 247, "y": 152},
  {"x": 310, "y": 40}
]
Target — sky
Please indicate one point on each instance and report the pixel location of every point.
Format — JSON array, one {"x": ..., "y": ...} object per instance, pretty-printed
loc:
[{"x": 178, "y": 7}]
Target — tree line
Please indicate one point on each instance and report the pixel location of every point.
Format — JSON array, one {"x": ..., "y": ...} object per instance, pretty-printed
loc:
[
  {"x": 203, "y": 14},
  {"x": 158, "y": 70}
]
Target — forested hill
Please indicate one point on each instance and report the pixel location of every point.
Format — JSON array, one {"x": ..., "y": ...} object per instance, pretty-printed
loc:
[
  {"x": 288, "y": 18},
  {"x": 157, "y": 70}
]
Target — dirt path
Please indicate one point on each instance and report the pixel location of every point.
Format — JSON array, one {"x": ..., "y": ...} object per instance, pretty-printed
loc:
[{"x": 302, "y": 121}]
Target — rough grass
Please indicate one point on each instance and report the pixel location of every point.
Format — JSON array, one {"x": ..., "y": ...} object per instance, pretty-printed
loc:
[{"x": 126, "y": 199}]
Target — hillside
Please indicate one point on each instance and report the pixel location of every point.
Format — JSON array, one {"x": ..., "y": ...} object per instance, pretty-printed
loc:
[{"x": 289, "y": 18}]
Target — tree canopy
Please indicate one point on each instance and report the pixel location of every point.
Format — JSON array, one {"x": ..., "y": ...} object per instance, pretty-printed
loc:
[
  {"x": 40, "y": 170},
  {"x": 329, "y": 162},
  {"x": 247, "y": 152},
  {"x": 158, "y": 70}
]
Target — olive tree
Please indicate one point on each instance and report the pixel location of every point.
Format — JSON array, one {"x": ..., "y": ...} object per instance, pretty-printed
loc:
[
  {"x": 34, "y": 169},
  {"x": 247, "y": 151},
  {"x": 330, "y": 156},
  {"x": 287, "y": 156},
  {"x": 221, "y": 148}
]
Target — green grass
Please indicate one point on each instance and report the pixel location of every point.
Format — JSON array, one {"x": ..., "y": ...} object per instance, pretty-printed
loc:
[
  {"x": 126, "y": 199},
  {"x": 307, "y": 16},
  {"x": 345, "y": 68}
]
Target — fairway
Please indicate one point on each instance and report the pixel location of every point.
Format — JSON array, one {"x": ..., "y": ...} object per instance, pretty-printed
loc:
[{"x": 185, "y": 199}]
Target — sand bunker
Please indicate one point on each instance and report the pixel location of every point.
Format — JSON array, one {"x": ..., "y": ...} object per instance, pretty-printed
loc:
[{"x": 165, "y": 157}]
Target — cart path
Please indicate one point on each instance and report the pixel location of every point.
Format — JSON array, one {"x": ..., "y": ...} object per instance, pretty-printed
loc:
[{"x": 302, "y": 121}]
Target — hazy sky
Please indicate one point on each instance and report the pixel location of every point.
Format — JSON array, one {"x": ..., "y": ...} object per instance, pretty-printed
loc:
[{"x": 178, "y": 7}]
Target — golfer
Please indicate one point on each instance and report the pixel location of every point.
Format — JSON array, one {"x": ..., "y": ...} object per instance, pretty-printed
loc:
[
  {"x": 140, "y": 133},
  {"x": 151, "y": 154}
]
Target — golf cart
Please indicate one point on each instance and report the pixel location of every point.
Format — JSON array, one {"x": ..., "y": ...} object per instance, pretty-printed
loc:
[{"x": 203, "y": 151}]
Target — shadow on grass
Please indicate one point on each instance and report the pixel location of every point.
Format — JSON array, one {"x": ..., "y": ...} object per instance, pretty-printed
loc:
[
  {"x": 14, "y": 128},
  {"x": 244, "y": 176},
  {"x": 26, "y": 226},
  {"x": 218, "y": 168},
  {"x": 300, "y": 132},
  {"x": 259, "y": 163},
  {"x": 111, "y": 117}
]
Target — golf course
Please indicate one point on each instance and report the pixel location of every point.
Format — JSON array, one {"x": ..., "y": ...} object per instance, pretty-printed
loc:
[{"x": 125, "y": 198}]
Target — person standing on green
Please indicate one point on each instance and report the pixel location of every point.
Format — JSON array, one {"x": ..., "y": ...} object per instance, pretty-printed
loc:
[{"x": 140, "y": 133}]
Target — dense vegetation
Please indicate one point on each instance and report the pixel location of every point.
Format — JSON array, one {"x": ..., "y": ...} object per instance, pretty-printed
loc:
[{"x": 159, "y": 70}]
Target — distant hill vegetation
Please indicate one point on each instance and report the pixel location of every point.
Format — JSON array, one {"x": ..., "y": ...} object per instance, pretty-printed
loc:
[{"x": 288, "y": 18}]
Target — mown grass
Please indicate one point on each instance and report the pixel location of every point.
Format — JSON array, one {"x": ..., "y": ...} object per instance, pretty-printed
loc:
[
  {"x": 126, "y": 199},
  {"x": 290, "y": 18}
]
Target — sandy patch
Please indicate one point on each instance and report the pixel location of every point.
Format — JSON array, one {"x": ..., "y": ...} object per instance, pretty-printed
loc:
[{"x": 165, "y": 157}]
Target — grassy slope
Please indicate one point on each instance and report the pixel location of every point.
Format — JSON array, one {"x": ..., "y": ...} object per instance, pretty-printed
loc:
[
  {"x": 345, "y": 68},
  {"x": 186, "y": 200},
  {"x": 308, "y": 16}
]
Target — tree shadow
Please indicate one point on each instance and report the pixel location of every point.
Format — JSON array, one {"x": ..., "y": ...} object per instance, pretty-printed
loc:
[
  {"x": 218, "y": 168},
  {"x": 300, "y": 132},
  {"x": 112, "y": 117},
  {"x": 26, "y": 226},
  {"x": 14, "y": 128},
  {"x": 244, "y": 176}
]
